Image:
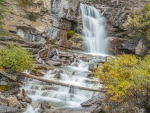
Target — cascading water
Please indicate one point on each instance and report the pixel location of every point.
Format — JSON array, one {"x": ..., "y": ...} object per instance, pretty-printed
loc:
[{"x": 94, "y": 32}]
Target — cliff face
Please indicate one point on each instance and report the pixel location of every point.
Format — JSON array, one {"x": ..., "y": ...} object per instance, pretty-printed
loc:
[
  {"x": 51, "y": 19},
  {"x": 43, "y": 19}
]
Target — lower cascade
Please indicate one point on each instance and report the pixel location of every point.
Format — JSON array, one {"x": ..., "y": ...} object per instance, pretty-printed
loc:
[
  {"x": 94, "y": 32},
  {"x": 59, "y": 96}
]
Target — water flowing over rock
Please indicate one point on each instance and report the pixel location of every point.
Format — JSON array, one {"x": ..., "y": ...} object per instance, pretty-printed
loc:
[{"x": 94, "y": 33}]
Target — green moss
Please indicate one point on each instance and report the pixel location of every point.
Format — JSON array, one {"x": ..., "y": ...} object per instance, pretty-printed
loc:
[
  {"x": 147, "y": 7},
  {"x": 24, "y": 3},
  {"x": 3, "y": 88},
  {"x": 2, "y": 33},
  {"x": 32, "y": 16},
  {"x": 70, "y": 33},
  {"x": 101, "y": 111},
  {"x": 52, "y": 42},
  {"x": 34, "y": 70}
]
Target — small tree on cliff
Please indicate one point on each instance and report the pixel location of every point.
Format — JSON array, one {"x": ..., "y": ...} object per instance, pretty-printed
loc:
[
  {"x": 14, "y": 58},
  {"x": 127, "y": 80},
  {"x": 140, "y": 23}
]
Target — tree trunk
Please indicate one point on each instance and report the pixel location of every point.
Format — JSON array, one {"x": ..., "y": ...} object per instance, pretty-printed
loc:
[{"x": 61, "y": 83}]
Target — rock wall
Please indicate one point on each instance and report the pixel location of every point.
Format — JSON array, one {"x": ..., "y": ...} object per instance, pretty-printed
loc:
[{"x": 52, "y": 20}]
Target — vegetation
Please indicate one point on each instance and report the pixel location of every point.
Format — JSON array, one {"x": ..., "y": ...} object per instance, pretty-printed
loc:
[
  {"x": 24, "y": 3},
  {"x": 32, "y": 16},
  {"x": 3, "y": 88},
  {"x": 140, "y": 23},
  {"x": 14, "y": 58},
  {"x": 70, "y": 33},
  {"x": 127, "y": 80}
]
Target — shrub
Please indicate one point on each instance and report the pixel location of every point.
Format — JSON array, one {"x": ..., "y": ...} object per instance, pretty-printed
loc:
[
  {"x": 127, "y": 79},
  {"x": 32, "y": 16},
  {"x": 139, "y": 25},
  {"x": 24, "y": 3},
  {"x": 70, "y": 33},
  {"x": 14, "y": 58}
]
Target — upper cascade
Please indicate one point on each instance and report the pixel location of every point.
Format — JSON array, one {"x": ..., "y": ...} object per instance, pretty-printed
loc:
[{"x": 94, "y": 32}]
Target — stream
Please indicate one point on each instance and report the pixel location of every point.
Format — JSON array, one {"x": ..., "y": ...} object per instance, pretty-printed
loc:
[{"x": 77, "y": 73}]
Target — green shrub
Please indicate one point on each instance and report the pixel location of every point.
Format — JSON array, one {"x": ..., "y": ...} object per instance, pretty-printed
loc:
[
  {"x": 70, "y": 33},
  {"x": 147, "y": 7},
  {"x": 24, "y": 3},
  {"x": 14, "y": 58},
  {"x": 139, "y": 25},
  {"x": 32, "y": 16}
]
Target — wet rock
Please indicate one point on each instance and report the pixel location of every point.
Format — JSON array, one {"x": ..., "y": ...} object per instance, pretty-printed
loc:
[
  {"x": 54, "y": 63},
  {"x": 93, "y": 66},
  {"x": 90, "y": 75},
  {"x": 58, "y": 75},
  {"x": 24, "y": 97},
  {"x": 98, "y": 99},
  {"x": 45, "y": 105}
]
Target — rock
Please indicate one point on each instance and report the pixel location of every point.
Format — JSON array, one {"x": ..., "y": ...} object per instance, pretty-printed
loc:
[
  {"x": 45, "y": 105},
  {"x": 3, "y": 100},
  {"x": 93, "y": 66},
  {"x": 53, "y": 63},
  {"x": 58, "y": 75},
  {"x": 13, "y": 102},
  {"x": 138, "y": 46},
  {"x": 24, "y": 97},
  {"x": 98, "y": 99},
  {"x": 66, "y": 9},
  {"x": 114, "y": 45},
  {"x": 6, "y": 109},
  {"x": 90, "y": 75}
]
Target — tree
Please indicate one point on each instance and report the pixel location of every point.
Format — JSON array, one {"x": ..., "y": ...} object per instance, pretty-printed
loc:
[
  {"x": 14, "y": 58},
  {"x": 140, "y": 23},
  {"x": 127, "y": 80}
]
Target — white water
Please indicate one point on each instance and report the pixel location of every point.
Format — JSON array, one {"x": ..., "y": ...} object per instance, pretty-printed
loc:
[
  {"x": 59, "y": 96},
  {"x": 94, "y": 32}
]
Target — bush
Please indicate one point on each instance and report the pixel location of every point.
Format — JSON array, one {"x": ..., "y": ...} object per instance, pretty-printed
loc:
[
  {"x": 127, "y": 79},
  {"x": 32, "y": 16},
  {"x": 139, "y": 25},
  {"x": 70, "y": 33},
  {"x": 24, "y": 3},
  {"x": 14, "y": 58}
]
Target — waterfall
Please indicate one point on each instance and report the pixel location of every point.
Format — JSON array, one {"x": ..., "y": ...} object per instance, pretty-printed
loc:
[{"x": 94, "y": 32}]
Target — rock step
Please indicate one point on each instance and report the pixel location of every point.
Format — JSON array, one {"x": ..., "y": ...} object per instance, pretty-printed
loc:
[{"x": 60, "y": 95}]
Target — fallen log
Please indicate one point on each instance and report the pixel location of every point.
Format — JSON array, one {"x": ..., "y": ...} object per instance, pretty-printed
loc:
[{"x": 61, "y": 83}]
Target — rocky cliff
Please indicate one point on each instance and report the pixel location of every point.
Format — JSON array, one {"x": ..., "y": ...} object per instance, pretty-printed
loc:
[{"x": 48, "y": 21}]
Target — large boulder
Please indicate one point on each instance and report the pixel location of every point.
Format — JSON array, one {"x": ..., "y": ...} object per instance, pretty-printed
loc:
[{"x": 138, "y": 46}]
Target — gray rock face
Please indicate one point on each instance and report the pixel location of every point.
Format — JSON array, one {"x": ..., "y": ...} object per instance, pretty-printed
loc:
[
  {"x": 139, "y": 46},
  {"x": 65, "y": 9}
]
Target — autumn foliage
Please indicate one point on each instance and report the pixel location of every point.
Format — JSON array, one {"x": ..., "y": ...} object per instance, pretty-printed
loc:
[{"x": 127, "y": 78}]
